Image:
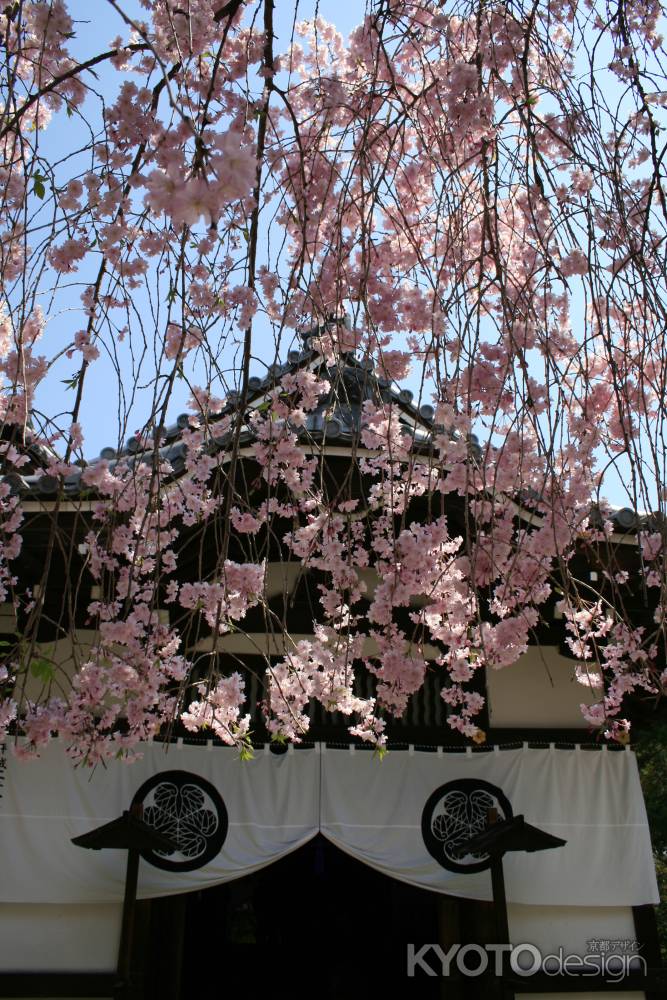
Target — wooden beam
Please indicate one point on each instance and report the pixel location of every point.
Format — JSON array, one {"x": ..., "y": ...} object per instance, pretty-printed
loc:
[{"x": 57, "y": 984}]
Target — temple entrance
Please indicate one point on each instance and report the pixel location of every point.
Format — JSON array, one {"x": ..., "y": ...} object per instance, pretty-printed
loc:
[{"x": 315, "y": 924}]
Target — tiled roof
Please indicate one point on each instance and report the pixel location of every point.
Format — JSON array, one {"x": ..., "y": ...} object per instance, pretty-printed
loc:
[{"x": 335, "y": 421}]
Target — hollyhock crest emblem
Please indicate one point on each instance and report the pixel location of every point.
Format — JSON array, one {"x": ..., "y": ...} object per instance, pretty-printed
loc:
[
  {"x": 189, "y": 810},
  {"x": 453, "y": 814}
]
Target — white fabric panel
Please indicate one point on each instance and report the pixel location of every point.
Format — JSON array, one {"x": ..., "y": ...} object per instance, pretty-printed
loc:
[
  {"x": 271, "y": 803},
  {"x": 592, "y": 799},
  {"x": 370, "y": 808}
]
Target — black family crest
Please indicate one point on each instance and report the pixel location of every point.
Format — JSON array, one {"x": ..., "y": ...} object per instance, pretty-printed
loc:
[
  {"x": 188, "y": 809},
  {"x": 453, "y": 814}
]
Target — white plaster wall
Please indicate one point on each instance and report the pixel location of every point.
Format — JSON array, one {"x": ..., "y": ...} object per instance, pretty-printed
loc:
[
  {"x": 66, "y": 655},
  {"x": 539, "y": 691},
  {"x": 84, "y": 938},
  {"x": 552, "y": 927},
  {"x": 7, "y": 619},
  {"x": 59, "y": 938}
]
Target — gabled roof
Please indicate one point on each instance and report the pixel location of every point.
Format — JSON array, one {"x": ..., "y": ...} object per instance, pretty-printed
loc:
[
  {"x": 335, "y": 421},
  {"x": 25, "y": 442}
]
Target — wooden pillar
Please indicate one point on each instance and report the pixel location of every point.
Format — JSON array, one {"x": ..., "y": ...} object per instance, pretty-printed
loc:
[
  {"x": 164, "y": 963},
  {"x": 452, "y": 987},
  {"x": 646, "y": 931},
  {"x": 127, "y": 925}
]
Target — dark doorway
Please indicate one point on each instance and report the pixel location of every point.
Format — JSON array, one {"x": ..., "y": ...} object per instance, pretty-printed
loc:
[{"x": 317, "y": 923}]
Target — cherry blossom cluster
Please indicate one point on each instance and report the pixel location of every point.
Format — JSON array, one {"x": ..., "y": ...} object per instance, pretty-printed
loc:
[{"x": 467, "y": 198}]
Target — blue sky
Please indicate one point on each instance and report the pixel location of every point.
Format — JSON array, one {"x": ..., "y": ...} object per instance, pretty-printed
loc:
[
  {"x": 106, "y": 398},
  {"x": 103, "y": 411}
]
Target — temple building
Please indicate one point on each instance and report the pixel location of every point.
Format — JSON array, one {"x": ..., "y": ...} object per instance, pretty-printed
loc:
[{"x": 322, "y": 869}]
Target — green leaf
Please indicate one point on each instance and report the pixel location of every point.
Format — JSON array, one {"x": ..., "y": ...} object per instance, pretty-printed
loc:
[
  {"x": 43, "y": 670},
  {"x": 38, "y": 186},
  {"x": 71, "y": 383}
]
